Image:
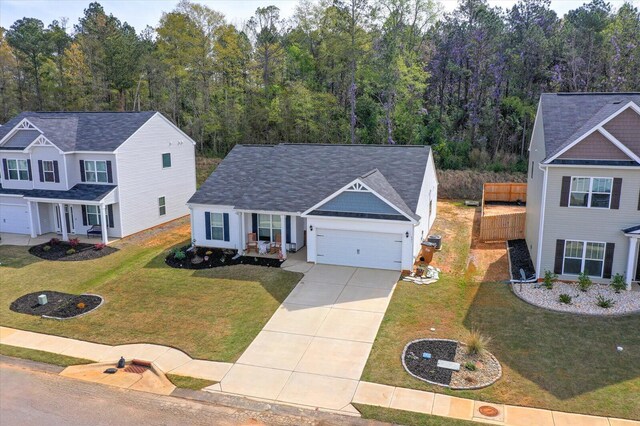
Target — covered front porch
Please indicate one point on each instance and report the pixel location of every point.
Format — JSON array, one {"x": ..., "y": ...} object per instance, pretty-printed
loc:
[
  {"x": 27, "y": 240},
  {"x": 271, "y": 234},
  {"x": 633, "y": 259}
]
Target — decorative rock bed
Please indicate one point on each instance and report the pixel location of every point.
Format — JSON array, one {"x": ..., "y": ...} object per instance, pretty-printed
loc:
[
  {"x": 487, "y": 368},
  {"x": 625, "y": 302},
  {"x": 206, "y": 258},
  {"x": 60, "y": 250},
  {"x": 520, "y": 258},
  {"x": 58, "y": 306}
]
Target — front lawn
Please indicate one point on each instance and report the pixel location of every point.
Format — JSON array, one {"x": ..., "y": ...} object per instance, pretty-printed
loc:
[
  {"x": 210, "y": 314},
  {"x": 550, "y": 360}
]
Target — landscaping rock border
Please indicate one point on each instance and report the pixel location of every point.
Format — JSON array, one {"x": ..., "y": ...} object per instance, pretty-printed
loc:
[
  {"x": 60, "y": 306},
  {"x": 58, "y": 251}
]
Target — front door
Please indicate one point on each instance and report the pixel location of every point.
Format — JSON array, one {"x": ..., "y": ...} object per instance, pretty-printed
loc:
[{"x": 68, "y": 219}]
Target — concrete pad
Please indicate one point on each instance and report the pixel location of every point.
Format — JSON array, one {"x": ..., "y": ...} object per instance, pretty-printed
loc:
[
  {"x": 276, "y": 350},
  {"x": 171, "y": 360},
  {"x": 622, "y": 422},
  {"x": 525, "y": 416},
  {"x": 150, "y": 352},
  {"x": 330, "y": 274},
  {"x": 373, "y": 394},
  {"x": 208, "y": 370},
  {"x": 214, "y": 388},
  {"x": 314, "y": 294},
  {"x": 412, "y": 400},
  {"x": 318, "y": 391},
  {"x": 129, "y": 352},
  {"x": 345, "y": 324},
  {"x": 364, "y": 299},
  {"x": 302, "y": 267},
  {"x": 335, "y": 358},
  {"x": 377, "y": 278},
  {"x": 254, "y": 381},
  {"x": 5, "y": 332},
  {"x": 298, "y": 319},
  {"x": 350, "y": 410},
  {"x": 450, "y": 406},
  {"x": 121, "y": 379},
  {"x": 87, "y": 350},
  {"x": 41, "y": 342},
  {"x": 151, "y": 382},
  {"x": 570, "y": 419},
  {"x": 478, "y": 415}
]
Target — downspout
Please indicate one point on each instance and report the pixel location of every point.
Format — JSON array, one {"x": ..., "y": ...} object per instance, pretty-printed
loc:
[{"x": 543, "y": 205}]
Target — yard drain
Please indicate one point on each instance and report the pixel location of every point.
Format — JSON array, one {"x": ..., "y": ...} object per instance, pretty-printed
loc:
[{"x": 137, "y": 366}]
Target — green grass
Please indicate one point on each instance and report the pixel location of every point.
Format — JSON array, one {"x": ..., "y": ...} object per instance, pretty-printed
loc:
[
  {"x": 41, "y": 356},
  {"x": 186, "y": 382},
  {"x": 210, "y": 314},
  {"x": 407, "y": 418},
  {"x": 550, "y": 360}
]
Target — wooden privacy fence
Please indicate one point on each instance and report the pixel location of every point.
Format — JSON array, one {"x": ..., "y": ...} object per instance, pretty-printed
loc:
[
  {"x": 505, "y": 192},
  {"x": 502, "y": 227}
]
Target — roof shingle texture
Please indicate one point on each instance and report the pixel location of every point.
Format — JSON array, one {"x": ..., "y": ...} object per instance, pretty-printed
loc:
[
  {"x": 80, "y": 192},
  {"x": 295, "y": 177},
  {"x": 83, "y": 131}
]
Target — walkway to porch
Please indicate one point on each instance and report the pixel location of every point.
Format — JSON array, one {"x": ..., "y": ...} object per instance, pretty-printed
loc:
[{"x": 27, "y": 240}]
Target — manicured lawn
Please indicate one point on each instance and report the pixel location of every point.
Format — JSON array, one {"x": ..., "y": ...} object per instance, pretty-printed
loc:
[
  {"x": 210, "y": 314},
  {"x": 192, "y": 383},
  {"x": 550, "y": 360},
  {"x": 40, "y": 356},
  {"x": 407, "y": 418}
]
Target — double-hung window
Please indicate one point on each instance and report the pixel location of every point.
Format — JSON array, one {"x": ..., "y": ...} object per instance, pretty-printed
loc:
[
  {"x": 49, "y": 175},
  {"x": 269, "y": 226},
  {"x": 217, "y": 226},
  {"x": 591, "y": 192},
  {"x": 583, "y": 256},
  {"x": 95, "y": 171},
  {"x": 18, "y": 169},
  {"x": 93, "y": 215},
  {"x": 162, "y": 206}
]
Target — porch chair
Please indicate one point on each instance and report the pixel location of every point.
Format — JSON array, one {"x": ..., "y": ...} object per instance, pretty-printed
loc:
[
  {"x": 276, "y": 245},
  {"x": 252, "y": 243},
  {"x": 94, "y": 231}
]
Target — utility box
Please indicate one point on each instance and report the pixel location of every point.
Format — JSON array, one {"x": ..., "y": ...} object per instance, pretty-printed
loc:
[
  {"x": 42, "y": 299},
  {"x": 436, "y": 239}
]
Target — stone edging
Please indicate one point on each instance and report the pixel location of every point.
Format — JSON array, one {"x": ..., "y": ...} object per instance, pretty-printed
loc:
[
  {"x": 82, "y": 314},
  {"x": 484, "y": 385}
]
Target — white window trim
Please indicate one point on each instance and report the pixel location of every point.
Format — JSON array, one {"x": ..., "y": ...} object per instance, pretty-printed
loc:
[
  {"x": 106, "y": 214},
  {"x": 52, "y": 172},
  {"x": 271, "y": 227},
  {"x": 17, "y": 169},
  {"x": 590, "y": 193},
  {"x": 221, "y": 226},
  {"x": 95, "y": 171},
  {"x": 584, "y": 256},
  {"x": 170, "y": 160},
  {"x": 162, "y": 205}
]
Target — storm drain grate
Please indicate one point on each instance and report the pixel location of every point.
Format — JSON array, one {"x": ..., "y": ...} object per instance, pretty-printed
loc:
[{"x": 133, "y": 368}]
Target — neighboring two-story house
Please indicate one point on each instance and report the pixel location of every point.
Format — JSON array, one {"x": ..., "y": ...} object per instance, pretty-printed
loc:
[
  {"x": 583, "y": 195},
  {"x": 117, "y": 173}
]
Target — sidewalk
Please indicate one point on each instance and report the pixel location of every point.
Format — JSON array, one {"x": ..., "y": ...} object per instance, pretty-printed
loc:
[{"x": 173, "y": 361}]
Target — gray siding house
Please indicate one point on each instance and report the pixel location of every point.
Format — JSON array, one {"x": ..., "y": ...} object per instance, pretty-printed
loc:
[
  {"x": 583, "y": 194},
  {"x": 117, "y": 173}
]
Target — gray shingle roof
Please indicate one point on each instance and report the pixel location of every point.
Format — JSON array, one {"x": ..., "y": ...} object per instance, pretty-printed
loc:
[
  {"x": 21, "y": 139},
  {"x": 567, "y": 116},
  {"x": 83, "y": 131},
  {"x": 295, "y": 177},
  {"x": 377, "y": 182},
  {"x": 80, "y": 192}
]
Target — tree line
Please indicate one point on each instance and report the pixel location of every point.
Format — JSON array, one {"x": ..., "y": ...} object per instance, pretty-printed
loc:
[{"x": 338, "y": 71}]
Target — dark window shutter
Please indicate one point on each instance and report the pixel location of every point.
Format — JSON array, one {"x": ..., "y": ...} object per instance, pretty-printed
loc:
[
  {"x": 615, "y": 193},
  {"x": 56, "y": 173},
  {"x": 29, "y": 169},
  {"x": 608, "y": 260},
  {"x": 557, "y": 268},
  {"x": 225, "y": 220},
  {"x": 6, "y": 169},
  {"x": 84, "y": 215},
  {"x": 254, "y": 223},
  {"x": 565, "y": 192},
  {"x": 207, "y": 224},
  {"x": 288, "y": 229},
  {"x": 110, "y": 213},
  {"x": 41, "y": 170},
  {"x": 109, "y": 173},
  {"x": 82, "y": 176}
]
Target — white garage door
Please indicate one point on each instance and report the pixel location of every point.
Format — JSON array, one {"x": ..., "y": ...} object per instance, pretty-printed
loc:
[
  {"x": 14, "y": 219},
  {"x": 364, "y": 249}
]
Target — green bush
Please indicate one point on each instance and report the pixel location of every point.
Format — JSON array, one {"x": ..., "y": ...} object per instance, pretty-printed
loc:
[
  {"x": 470, "y": 366},
  {"x": 618, "y": 283},
  {"x": 549, "y": 279},
  {"x": 71, "y": 251},
  {"x": 564, "y": 298},
  {"x": 584, "y": 282},
  {"x": 603, "y": 302},
  {"x": 46, "y": 248},
  {"x": 179, "y": 255}
]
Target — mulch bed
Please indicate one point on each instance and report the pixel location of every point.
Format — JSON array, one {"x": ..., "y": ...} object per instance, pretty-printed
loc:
[
  {"x": 59, "y": 305},
  {"x": 426, "y": 369},
  {"x": 520, "y": 258},
  {"x": 58, "y": 251},
  {"x": 199, "y": 259}
]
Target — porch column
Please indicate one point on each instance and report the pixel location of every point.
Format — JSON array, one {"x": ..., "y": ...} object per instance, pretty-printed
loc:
[
  {"x": 103, "y": 223},
  {"x": 63, "y": 223},
  {"x": 283, "y": 236},
  {"x": 243, "y": 234},
  {"x": 633, "y": 255},
  {"x": 32, "y": 225}
]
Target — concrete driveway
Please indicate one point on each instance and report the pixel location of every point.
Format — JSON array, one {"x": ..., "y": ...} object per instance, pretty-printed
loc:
[{"x": 314, "y": 348}]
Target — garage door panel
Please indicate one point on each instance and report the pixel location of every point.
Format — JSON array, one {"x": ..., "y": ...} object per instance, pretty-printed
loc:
[
  {"x": 14, "y": 219},
  {"x": 364, "y": 249}
]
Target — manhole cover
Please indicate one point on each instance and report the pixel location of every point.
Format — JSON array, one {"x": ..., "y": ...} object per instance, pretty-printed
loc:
[
  {"x": 133, "y": 368},
  {"x": 488, "y": 411}
]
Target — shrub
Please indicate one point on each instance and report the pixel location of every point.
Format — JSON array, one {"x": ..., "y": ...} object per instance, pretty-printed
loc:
[
  {"x": 81, "y": 305},
  {"x": 54, "y": 241},
  {"x": 470, "y": 366},
  {"x": 618, "y": 283},
  {"x": 604, "y": 302},
  {"x": 99, "y": 246},
  {"x": 73, "y": 242},
  {"x": 46, "y": 248},
  {"x": 549, "y": 279},
  {"x": 584, "y": 282},
  {"x": 179, "y": 255},
  {"x": 71, "y": 251},
  {"x": 564, "y": 298},
  {"x": 209, "y": 253},
  {"x": 477, "y": 343}
]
